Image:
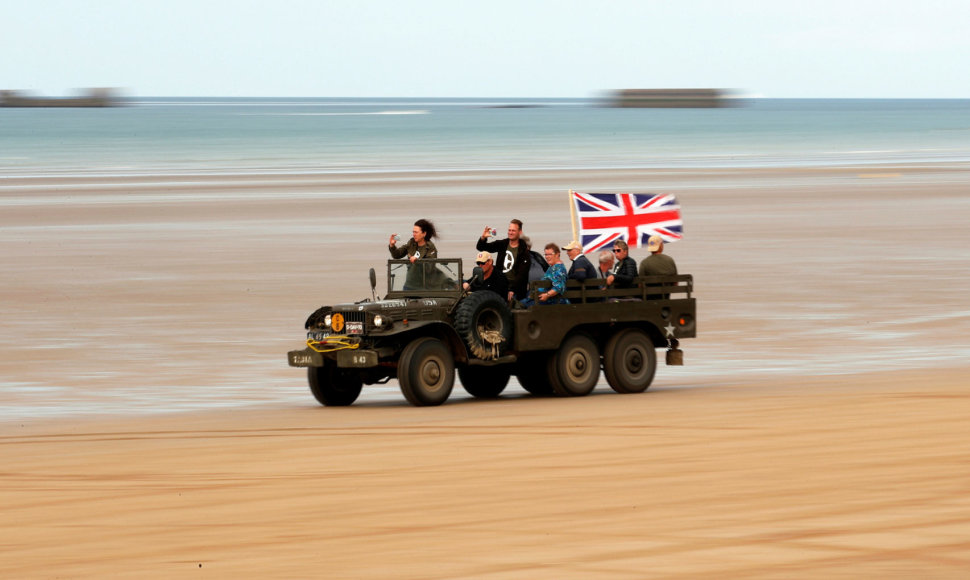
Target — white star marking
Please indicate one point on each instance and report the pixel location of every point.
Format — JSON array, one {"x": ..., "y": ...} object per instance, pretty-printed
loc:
[
  {"x": 670, "y": 329},
  {"x": 509, "y": 262}
]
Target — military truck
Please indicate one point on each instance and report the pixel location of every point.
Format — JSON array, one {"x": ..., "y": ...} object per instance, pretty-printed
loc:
[{"x": 426, "y": 327}]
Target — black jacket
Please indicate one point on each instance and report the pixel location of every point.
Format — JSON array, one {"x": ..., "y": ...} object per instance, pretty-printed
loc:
[
  {"x": 624, "y": 273},
  {"x": 582, "y": 269},
  {"x": 497, "y": 283},
  {"x": 519, "y": 274}
]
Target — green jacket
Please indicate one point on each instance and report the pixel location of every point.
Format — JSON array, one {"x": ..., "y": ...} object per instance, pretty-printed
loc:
[{"x": 426, "y": 251}]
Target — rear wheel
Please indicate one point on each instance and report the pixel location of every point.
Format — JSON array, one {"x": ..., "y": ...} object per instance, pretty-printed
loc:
[
  {"x": 575, "y": 367},
  {"x": 530, "y": 370},
  {"x": 630, "y": 361},
  {"x": 426, "y": 372},
  {"x": 332, "y": 386},
  {"x": 484, "y": 382}
]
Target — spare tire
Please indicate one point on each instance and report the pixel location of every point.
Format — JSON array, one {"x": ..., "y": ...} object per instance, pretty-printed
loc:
[{"x": 484, "y": 322}]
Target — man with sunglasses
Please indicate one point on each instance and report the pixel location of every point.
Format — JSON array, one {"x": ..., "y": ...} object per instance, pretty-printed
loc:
[
  {"x": 490, "y": 280},
  {"x": 625, "y": 271}
]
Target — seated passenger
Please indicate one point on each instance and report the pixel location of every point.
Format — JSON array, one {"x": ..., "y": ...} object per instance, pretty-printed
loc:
[
  {"x": 657, "y": 264},
  {"x": 625, "y": 271},
  {"x": 490, "y": 280},
  {"x": 556, "y": 274},
  {"x": 606, "y": 265},
  {"x": 582, "y": 268},
  {"x": 537, "y": 264}
]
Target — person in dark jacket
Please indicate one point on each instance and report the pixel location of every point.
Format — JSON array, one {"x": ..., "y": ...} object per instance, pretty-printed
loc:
[
  {"x": 513, "y": 258},
  {"x": 582, "y": 268},
  {"x": 491, "y": 278},
  {"x": 625, "y": 270},
  {"x": 538, "y": 267},
  {"x": 418, "y": 247}
]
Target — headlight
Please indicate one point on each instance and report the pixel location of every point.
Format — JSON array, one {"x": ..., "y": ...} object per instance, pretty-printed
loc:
[
  {"x": 326, "y": 320},
  {"x": 378, "y": 321}
]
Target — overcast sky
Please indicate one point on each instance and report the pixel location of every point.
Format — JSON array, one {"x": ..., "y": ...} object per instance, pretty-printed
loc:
[{"x": 496, "y": 48}]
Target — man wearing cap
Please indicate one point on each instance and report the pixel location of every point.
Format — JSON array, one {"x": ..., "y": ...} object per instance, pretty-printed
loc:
[
  {"x": 657, "y": 263},
  {"x": 582, "y": 268},
  {"x": 490, "y": 280}
]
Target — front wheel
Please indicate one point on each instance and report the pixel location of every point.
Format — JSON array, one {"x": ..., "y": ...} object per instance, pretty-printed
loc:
[
  {"x": 629, "y": 361},
  {"x": 484, "y": 382},
  {"x": 333, "y": 387},
  {"x": 426, "y": 372},
  {"x": 575, "y": 367}
]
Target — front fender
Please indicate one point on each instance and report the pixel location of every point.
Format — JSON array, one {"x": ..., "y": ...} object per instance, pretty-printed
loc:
[{"x": 435, "y": 328}]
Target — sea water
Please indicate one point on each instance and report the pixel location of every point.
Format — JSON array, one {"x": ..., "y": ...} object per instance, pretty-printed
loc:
[{"x": 239, "y": 135}]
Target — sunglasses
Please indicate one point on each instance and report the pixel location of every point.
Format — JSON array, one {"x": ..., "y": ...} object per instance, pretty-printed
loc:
[
  {"x": 481, "y": 263},
  {"x": 617, "y": 250}
]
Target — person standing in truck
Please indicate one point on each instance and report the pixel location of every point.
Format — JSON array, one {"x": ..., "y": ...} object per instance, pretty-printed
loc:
[
  {"x": 513, "y": 258},
  {"x": 417, "y": 248},
  {"x": 420, "y": 244}
]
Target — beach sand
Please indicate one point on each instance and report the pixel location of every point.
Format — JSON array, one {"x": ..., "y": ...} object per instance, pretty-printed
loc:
[{"x": 817, "y": 429}]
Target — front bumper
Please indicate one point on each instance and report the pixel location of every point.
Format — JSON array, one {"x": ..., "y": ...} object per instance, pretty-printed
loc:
[{"x": 349, "y": 359}]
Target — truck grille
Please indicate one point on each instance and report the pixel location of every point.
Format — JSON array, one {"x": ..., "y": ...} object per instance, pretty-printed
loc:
[{"x": 354, "y": 316}]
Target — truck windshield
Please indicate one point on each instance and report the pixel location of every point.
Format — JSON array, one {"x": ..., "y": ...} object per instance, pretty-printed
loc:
[{"x": 423, "y": 275}]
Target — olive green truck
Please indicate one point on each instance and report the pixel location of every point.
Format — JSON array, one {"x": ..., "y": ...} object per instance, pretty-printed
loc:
[{"x": 427, "y": 327}]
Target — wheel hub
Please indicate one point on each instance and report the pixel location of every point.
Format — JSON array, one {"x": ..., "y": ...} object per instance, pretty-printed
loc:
[
  {"x": 634, "y": 361},
  {"x": 578, "y": 365},
  {"x": 431, "y": 374}
]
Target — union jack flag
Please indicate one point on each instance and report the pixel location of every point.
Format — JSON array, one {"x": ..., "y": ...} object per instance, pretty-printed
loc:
[{"x": 604, "y": 218}]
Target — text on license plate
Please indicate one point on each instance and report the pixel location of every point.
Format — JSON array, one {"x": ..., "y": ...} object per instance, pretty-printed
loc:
[{"x": 355, "y": 328}]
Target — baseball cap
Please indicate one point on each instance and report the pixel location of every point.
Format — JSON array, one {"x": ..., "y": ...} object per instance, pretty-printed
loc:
[
  {"x": 573, "y": 245},
  {"x": 654, "y": 243},
  {"x": 483, "y": 257}
]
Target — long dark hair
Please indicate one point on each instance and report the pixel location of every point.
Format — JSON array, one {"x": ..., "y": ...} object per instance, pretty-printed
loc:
[{"x": 426, "y": 227}]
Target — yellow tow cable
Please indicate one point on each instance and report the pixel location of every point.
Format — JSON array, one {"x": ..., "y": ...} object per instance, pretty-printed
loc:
[{"x": 333, "y": 343}]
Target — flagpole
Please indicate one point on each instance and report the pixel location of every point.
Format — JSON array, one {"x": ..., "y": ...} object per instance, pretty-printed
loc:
[{"x": 572, "y": 214}]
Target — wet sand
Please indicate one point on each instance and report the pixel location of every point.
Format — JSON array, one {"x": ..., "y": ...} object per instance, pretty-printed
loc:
[
  {"x": 817, "y": 429},
  {"x": 861, "y": 476}
]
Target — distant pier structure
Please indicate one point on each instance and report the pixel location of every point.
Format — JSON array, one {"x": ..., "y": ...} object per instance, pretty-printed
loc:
[
  {"x": 90, "y": 98},
  {"x": 670, "y": 98}
]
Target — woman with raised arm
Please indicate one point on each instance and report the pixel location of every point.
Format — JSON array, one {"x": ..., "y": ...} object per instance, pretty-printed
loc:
[{"x": 420, "y": 244}]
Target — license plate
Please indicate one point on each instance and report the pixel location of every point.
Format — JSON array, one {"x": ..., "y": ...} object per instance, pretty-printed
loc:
[
  {"x": 356, "y": 358},
  {"x": 305, "y": 358},
  {"x": 355, "y": 328}
]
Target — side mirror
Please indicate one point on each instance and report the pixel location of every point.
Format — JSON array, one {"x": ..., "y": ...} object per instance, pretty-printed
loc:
[{"x": 373, "y": 284}]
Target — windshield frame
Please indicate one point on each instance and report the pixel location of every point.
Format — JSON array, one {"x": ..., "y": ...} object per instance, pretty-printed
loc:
[{"x": 397, "y": 272}]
